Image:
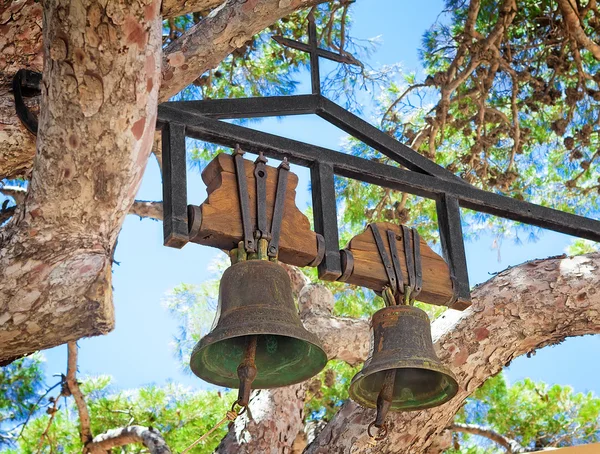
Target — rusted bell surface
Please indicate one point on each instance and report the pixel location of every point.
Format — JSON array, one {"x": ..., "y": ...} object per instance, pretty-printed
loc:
[
  {"x": 255, "y": 298},
  {"x": 401, "y": 340}
]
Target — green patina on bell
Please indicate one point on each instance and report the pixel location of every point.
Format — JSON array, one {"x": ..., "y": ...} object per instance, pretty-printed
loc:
[
  {"x": 257, "y": 320},
  {"x": 401, "y": 345}
]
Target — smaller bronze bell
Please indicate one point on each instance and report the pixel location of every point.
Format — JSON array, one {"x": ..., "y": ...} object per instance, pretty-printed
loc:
[
  {"x": 257, "y": 329},
  {"x": 401, "y": 345}
]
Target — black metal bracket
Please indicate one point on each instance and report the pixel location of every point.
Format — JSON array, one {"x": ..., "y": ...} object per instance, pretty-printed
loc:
[
  {"x": 242, "y": 184},
  {"x": 26, "y": 84},
  {"x": 278, "y": 208},
  {"x": 420, "y": 176}
]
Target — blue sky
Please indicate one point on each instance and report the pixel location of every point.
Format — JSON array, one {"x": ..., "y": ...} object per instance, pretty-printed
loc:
[{"x": 138, "y": 353}]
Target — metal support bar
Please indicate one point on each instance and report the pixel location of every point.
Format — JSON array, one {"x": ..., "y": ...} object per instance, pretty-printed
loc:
[
  {"x": 325, "y": 216},
  {"x": 175, "y": 213},
  {"x": 329, "y": 111},
  {"x": 279, "y": 207},
  {"x": 340, "y": 58},
  {"x": 385, "y": 258},
  {"x": 226, "y": 134},
  {"x": 242, "y": 184},
  {"x": 382, "y": 142},
  {"x": 260, "y": 176},
  {"x": 315, "y": 77},
  {"x": 268, "y": 106},
  {"x": 395, "y": 261},
  {"x": 453, "y": 248}
]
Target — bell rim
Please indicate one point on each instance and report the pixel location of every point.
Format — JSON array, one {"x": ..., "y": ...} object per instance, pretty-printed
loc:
[
  {"x": 200, "y": 346},
  {"x": 373, "y": 404}
]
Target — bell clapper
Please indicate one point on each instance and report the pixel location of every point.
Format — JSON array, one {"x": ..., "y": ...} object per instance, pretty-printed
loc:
[{"x": 247, "y": 371}]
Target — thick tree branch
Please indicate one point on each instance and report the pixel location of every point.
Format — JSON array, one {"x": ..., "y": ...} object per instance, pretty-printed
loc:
[
  {"x": 114, "y": 438},
  {"x": 343, "y": 338},
  {"x": 206, "y": 44},
  {"x": 511, "y": 446},
  {"x": 145, "y": 209},
  {"x": 522, "y": 309},
  {"x": 16, "y": 192},
  {"x": 141, "y": 208},
  {"x": 570, "y": 14}
]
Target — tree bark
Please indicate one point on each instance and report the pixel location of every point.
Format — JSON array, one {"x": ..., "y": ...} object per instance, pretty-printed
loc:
[
  {"x": 274, "y": 419},
  {"x": 201, "y": 48},
  {"x": 522, "y": 309},
  {"x": 99, "y": 98},
  {"x": 20, "y": 47}
]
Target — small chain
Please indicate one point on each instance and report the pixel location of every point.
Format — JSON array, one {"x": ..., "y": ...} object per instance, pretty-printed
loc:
[{"x": 229, "y": 416}]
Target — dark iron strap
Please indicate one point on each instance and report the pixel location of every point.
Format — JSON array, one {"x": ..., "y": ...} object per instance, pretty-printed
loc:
[
  {"x": 417, "y": 262},
  {"x": 26, "y": 84},
  {"x": 385, "y": 258},
  {"x": 412, "y": 254},
  {"x": 279, "y": 207},
  {"x": 260, "y": 176},
  {"x": 242, "y": 184},
  {"x": 409, "y": 257},
  {"x": 395, "y": 260}
]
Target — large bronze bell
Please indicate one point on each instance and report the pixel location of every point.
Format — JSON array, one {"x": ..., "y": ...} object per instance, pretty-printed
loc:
[
  {"x": 257, "y": 336},
  {"x": 402, "y": 372}
]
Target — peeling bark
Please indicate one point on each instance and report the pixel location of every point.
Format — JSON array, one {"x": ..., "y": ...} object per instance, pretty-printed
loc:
[
  {"x": 522, "y": 309},
  {"x": 17, "y": 144},
  {"x": 20, "y": 47},
  {"x": 174, "y": 8},
  {"x": 99, "y": 98}
]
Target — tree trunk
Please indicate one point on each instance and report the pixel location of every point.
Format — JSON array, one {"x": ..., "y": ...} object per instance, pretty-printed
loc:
[
  {"x": 99, "y": 98},
  {"x": 201, "y": 48},
  {"x": 20, "y": 47}
]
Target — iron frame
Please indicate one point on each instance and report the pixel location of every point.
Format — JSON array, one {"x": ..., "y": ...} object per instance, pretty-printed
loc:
[
  {"x": 201, "y": 120},
  {"x": 420, "y": 176}
]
